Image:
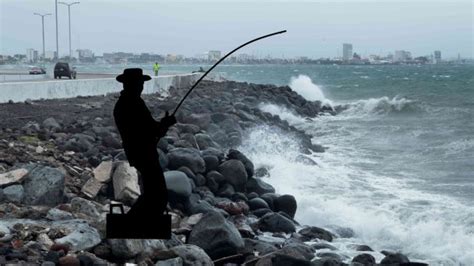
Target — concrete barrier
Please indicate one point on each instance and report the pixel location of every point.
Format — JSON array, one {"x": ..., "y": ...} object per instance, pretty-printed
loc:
[{"x": 53, "y": 89}]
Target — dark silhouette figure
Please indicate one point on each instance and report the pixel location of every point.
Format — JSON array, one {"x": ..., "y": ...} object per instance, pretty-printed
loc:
[{"x": 140, "y": 134}]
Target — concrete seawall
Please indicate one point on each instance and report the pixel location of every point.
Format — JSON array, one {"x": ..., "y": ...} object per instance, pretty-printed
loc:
[{"x": 21, "y": 91}]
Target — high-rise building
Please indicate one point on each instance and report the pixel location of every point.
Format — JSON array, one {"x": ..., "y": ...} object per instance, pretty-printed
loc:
[
  {"x": 347, "y": 51},
  {"x": 31, "y": 55},
  {"x": 214, "y": 55},
  {"x": 437, "y": 57}
]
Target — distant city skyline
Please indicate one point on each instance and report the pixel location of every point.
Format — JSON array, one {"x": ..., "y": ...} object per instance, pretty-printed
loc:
[{"x": 315, "y": 30}]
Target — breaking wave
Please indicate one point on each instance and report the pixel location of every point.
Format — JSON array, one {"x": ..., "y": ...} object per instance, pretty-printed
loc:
[
  {"x": 382, "y": 105},
  {"x": 305, "y": 87}
]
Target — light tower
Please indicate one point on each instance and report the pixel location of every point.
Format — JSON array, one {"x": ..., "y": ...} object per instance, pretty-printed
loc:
[
  {"x": 42, "y": 23},
  {"x": 69, "y": 15}
]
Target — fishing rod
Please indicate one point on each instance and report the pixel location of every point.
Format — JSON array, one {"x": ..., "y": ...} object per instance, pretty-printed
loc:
[{"x": 218, "y": 62}]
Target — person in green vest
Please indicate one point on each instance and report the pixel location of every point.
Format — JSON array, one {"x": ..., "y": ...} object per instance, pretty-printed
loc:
[{"x": 156, "y": 67}]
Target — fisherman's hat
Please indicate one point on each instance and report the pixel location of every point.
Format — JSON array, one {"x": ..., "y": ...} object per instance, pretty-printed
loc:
[{"x": 132, "y": 74}]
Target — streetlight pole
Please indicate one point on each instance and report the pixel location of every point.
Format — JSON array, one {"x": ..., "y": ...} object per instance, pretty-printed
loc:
[
  {"x": 69, "y": 15},
  {"x": 57, "y": 40},
  {"x": 42, "y": 22}
]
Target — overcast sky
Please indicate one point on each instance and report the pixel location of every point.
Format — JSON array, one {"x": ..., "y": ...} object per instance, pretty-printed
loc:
[{"x": 315, "y": 29}]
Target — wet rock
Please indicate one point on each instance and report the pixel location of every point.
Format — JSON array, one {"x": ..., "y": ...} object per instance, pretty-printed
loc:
[
  {"x": 275, "y": 222},
  {"x": 235, "y": 173},
  {"x": 192, "y": 255},
  {"x": 211, "y": 161},
  {"x": 179, "y": 186},
  {"x": 361, "y": 247},
  {"x": 237, "y": 155},
  {"x": 12, "y": 177},
  {"x": 226, "y": 190},
  {"x": 261, "y": 212},
  {"x": 129, "y": 248},
  {"x": 321, "y": 245},
  {"x": 364, "y": 259},
  {"x": 393, "y": 258},
  {"x": 44, "y": 186},
  {"x": 262, "y": 247},
  {"x": 200, "y": 120},
  {"x": 313, "y": 232},
  {"x": 286, "y": 204},
  {"x": 233, "y": 208},
  {"x": 188, "y": 157},
  {"x": 13, "y": 193},
  {"x": 327, "y": 262},
  {"x": 303, "y": 249},
  {"x": 259, "y": 186},
  {"x": 226, "y": 238},
  {"x": 257, "y": 203},
  {"x": 125, "y": 182}
]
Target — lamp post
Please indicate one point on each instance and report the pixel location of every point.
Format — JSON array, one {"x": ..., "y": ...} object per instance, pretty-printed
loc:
[
  {"x": 42, "y": 22},
  {"x": 69, "y": 15},
  {"x": 57, "y": 40}
]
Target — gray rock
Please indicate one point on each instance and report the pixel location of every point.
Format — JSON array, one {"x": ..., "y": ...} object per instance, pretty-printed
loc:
[
  {"x": 302, "y": 248},
  {"x": 259, "y": 186},
  {"x": 262, "y": 247},
  {"x": 188, "y": 157},
  {"x": 195, "y": 205},
  {"x": 56, "y": 214},
  {"x": 200, "y": 120},
  {"x": 313, "y": 232},
  {"x": 235, "y": 173},
  {"x": 179, "y": 186},
  {"x": 225, "y": 240},
  {"x": 129, "y": 248},
  {"x": 178, "y": 261},
  {"x": 227, "y": 190},
  {"x": 82, "y": 237},
  {"x": 269, "y": 198},
  {"x": 51, "y": 124},
  {"x": 14, "y": 193},
  {"x": 204, "y": 141},
  {"x": 125, "y": 183},
  {"x": 286, "y": 204},
  {"x": 364, "y": 259},
  {"x": 44, "y": 186},
  {"x": 192, "y": 255},
  {"x": 216, "y": 176},
  {"x": 12, "y": 177},
  {"x": 237, "y": 155},
  {"x": 87, "y": 207},
  {"x": 275, "y": 222}
]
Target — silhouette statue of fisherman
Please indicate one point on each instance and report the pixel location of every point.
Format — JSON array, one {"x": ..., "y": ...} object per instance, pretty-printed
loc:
[{"x": 140, "y": 134}]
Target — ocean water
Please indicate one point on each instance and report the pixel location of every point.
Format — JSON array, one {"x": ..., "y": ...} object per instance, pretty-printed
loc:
[{"x": 399, "y": 168}]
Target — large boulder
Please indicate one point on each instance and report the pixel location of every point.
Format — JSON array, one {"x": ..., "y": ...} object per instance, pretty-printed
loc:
[
  {"x": 44, "y": 186},
  {"x": 200, "y": 120},
  {"x": 188, "y": 157},
  {"x": 179, "y": 186},
  {"x": 129, "y": 248},
  {"x": 51, "y": 124},
  {"x": 204, "y": 141},
  {"x": 217, "y": 236},
  {"x": 286, "y": 204},
  {"x": 235, "y": 173},
  {"x": 237, "y": 155},
  {"x": 313, "y": 232},
  {"x": 192, "y": 255},
  {"x": 259, "y": 186},
  {"x": 275, "y": 222}
]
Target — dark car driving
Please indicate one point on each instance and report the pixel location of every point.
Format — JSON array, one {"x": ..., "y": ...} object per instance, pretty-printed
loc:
[{"x": 63, "y": 70}]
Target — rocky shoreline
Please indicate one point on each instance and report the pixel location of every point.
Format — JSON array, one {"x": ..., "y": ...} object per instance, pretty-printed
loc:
[{"x": 62, "y": 164}]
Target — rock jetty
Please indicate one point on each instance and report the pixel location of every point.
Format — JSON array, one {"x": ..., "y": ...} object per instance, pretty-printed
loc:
[{"x": 62, "y": 165}]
